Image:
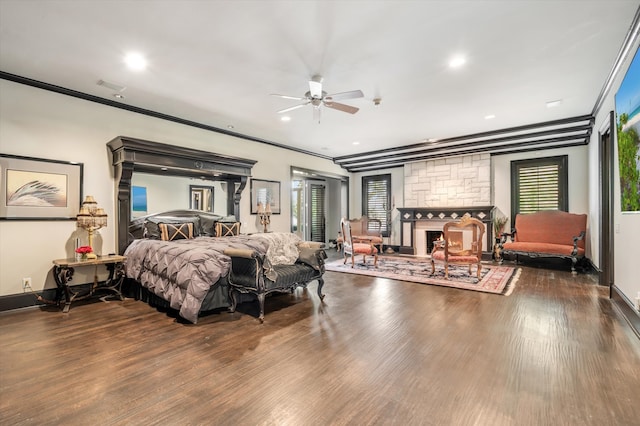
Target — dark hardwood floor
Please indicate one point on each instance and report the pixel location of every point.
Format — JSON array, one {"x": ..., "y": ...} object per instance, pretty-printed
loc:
[{"x": 378, "y": 351}]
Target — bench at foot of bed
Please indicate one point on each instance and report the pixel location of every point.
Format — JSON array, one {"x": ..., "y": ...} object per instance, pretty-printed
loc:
[{"x": 250, "y": 272}]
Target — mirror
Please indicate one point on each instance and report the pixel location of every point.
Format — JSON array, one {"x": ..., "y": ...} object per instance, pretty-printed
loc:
[
  {"x": 163, "y": 193},
  {"x": 201, "y": 198}
]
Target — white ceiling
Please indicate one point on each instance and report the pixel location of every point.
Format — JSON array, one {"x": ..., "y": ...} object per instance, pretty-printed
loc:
[{"x": 217, "y": 62}]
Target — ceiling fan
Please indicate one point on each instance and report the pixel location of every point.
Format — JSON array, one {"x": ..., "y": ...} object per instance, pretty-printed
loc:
[{"x": 317, "y": 97}]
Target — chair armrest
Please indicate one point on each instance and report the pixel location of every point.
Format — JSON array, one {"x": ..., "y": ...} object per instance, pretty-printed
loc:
[
  {"x": 575, "y": 243},
  {"x": 511, "y": 235},
  {"x": 313, "y": 257}
]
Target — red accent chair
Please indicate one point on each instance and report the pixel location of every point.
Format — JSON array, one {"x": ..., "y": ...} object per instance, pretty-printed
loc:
[
  {"x": 465, "y": 250},
  {"x": 353, "y": 246}
]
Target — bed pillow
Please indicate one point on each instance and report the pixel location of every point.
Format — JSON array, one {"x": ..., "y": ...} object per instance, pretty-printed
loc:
[
  {"x": 225, "y": 229},
  {"x": 208, "y": 225},
  {"x": 176, "y": 231},
  {"x": 152, "y": 230}
]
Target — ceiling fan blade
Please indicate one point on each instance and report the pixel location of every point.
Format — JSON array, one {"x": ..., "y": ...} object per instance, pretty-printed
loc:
[
  {"x": 293, "y": 107},
  {"x": 297, "y": 98},
  {"x": 345, "y": 95},
  {"x": 342, "y": 107},
  {"x": 315, "y": 89}
]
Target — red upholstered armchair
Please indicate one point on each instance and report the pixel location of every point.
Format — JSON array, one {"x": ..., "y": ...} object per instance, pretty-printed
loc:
[
  {"x": 353, "y": 247},
  {"x": 462, "y": 245}
]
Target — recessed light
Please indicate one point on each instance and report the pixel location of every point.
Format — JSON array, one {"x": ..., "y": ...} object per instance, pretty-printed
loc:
[
  {"x": 489, "y": 117},
  {"x": 118, "y": 96},
  {"x": 285, "y": 118},
  {"x": 552, "y": 104},
  {"x": 356, "y": 143},
  {"x": 230, "y": 127},
  {"x": 135, "y": 61},
  {"x": 457, "y": 61}
]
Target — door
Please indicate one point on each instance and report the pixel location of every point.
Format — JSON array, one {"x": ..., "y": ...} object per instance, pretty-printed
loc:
[{"x": 606, "y": 153}]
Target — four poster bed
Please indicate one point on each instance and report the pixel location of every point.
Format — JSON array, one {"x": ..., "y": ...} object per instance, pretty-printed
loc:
[{"x": 176, "y": 259}]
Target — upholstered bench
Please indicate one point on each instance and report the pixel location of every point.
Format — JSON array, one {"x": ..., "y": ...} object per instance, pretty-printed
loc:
[
  {"x": 551, "y": 233},
  {"x": 251, "y": 272}
]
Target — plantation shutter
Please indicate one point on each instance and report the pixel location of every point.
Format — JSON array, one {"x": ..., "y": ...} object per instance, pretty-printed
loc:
[
  {"x": 376, "y": 193},
  {"x": 540, "y": 184},
  {"x": 317, "y": 213}
]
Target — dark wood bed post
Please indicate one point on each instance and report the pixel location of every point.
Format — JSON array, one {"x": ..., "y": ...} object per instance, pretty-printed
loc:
[
  {"x": 123, "y": 172},
  {"x": 130, "y": 154}
]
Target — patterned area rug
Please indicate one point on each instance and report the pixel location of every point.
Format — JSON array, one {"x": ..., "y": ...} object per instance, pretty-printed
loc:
[{"x": 495, "y": 279}]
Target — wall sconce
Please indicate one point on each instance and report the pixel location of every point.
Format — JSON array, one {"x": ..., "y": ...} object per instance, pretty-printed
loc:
[
  {"x": 91, "y": 218},
  {"x": 264, "y": 213}
]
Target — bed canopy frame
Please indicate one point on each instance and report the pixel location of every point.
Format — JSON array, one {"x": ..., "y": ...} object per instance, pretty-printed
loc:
[{"x": 131, "y": 155}]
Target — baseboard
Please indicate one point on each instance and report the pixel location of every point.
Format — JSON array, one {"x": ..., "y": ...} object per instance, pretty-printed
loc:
[
  {"x": 29, "y": 300},
  {"x": 626, "y": 309},
  {"x": 24, "y": 300}
]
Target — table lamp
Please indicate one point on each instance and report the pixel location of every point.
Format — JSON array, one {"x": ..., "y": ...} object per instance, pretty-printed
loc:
[
  {"x": 91, "y": 218},
  {"x": 265, "y": 215}
]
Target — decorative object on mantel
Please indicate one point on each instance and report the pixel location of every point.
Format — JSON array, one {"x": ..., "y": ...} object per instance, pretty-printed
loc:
[
  {"x": 91, "y": 217},
  {"x": 498, "y": 226},
  {"x": 494, "y": 279},
  {"x": 264, "y": 213}
]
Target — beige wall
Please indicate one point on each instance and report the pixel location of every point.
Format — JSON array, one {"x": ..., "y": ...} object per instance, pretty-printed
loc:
[{"x": 42, "y": 124}]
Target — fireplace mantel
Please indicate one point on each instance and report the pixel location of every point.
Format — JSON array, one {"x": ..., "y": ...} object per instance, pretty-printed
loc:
[{"x": 410, "y": 217}]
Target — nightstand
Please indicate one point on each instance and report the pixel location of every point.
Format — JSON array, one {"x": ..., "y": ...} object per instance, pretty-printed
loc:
[{"x": 63, "y": 271}]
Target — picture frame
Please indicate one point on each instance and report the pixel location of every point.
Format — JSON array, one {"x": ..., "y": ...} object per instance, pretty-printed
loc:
[
  {"x": 39, "y": 189},
  {"x": 265, "y": 192},
  {"x": 627, "y": 105}
]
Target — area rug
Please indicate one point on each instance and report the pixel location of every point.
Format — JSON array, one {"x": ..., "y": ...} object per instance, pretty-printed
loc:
[{"x": 495, "y": 279}]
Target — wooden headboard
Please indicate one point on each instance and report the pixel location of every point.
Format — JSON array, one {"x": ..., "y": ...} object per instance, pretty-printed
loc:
[{"x": 130, "y": 154}]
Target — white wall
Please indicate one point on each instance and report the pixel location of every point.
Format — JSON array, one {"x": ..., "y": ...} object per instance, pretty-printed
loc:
[
  {"x": 397, "y": 196},
  {"x": 43, "y": 124},
  {"x": 626, "y": 225}
]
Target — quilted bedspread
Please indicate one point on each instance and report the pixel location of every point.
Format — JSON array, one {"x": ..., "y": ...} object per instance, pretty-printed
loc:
[{"x": 182, "y": 272}]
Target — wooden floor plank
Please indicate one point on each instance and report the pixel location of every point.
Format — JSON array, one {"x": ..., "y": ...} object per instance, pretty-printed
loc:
[{"x": 378, "y": 351}]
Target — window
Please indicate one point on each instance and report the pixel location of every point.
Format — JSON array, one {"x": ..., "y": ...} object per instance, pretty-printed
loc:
[
  {"x": 539, "y": 184},
  {"x": 376, "y": 197},
  {"x": 317, "y": 212}
]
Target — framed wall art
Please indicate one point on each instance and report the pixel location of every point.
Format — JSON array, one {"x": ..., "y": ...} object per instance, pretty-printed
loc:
[
  {"x": 39, "y": 189},
  {"x": 266, "y": 192},
  {"x": 627, "y": 101}
]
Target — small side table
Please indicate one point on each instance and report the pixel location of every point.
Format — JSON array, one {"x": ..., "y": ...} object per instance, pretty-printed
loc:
[{"x": 63, "y": 273}]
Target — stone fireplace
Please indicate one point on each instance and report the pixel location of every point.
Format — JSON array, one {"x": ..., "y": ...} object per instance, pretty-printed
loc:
[{"x": 456, "y": 185}]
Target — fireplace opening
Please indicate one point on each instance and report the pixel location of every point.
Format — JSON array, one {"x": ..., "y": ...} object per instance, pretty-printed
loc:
[
  {"x": 456, "y": 239},
  {"x": 431, "y": 237}
]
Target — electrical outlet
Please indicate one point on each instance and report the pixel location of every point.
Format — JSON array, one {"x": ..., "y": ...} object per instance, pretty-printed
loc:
[{"x": 26, "y": 283}]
